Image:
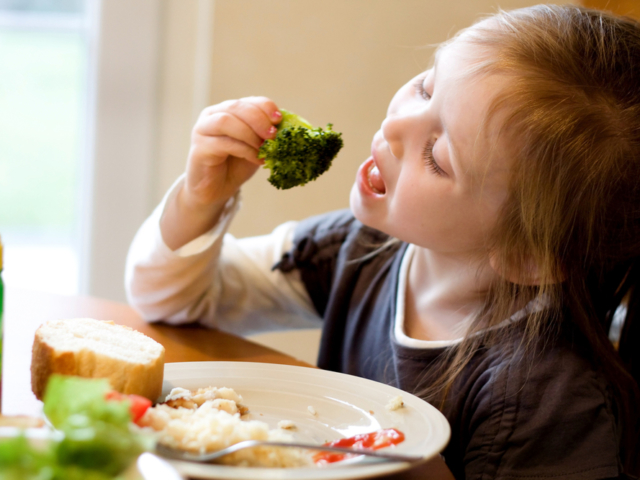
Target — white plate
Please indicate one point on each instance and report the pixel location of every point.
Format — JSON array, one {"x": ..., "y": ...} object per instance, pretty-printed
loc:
[{"x": 345, "y": 406}]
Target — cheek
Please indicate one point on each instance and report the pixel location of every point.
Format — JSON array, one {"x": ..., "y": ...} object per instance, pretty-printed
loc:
[
  {"x": 416, "y": 201},
  {"x": 425, "y": 200},
  {"x": 489, "y": 202}
]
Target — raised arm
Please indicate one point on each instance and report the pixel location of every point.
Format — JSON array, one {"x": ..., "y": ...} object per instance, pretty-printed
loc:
[{"x": 182, "y": 267}]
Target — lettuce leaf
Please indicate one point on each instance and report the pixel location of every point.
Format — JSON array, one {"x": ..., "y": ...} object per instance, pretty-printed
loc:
[
  {"x": 67, "y": 397},
  {"x": 97, "y": 432},
  {"x": 19, "y": 460}
]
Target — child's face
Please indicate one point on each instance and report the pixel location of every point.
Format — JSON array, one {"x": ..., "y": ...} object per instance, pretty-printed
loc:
[{"x": 435, "y": 178}]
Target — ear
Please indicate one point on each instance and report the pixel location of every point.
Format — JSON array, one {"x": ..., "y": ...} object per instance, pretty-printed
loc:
[{"x": 525, "y": 274}]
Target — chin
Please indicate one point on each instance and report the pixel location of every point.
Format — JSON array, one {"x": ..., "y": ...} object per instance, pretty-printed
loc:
[
  {"x": 362, "y": 213},
  {"x": 355, "y": 204}
]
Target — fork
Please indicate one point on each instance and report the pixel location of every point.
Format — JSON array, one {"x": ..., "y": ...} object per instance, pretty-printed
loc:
[{"x": 175, "y": 454}]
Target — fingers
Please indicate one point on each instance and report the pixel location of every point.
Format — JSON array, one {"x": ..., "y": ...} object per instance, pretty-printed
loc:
[
  {"x": 226, "y": 129},
  {"x": 269, "y": 108},
  {"x": 213, "y": 150},
  {"x": 235, "y": 127},
  {"x": 259, "y": 114}
]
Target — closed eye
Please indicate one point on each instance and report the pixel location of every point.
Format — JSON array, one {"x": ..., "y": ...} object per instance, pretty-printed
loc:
[
  {"x": 430, "y": 161},
  {"x": 420, "y": 90}
]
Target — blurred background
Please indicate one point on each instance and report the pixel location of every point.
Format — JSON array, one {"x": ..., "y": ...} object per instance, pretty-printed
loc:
[{"x": 97, "y": 100}]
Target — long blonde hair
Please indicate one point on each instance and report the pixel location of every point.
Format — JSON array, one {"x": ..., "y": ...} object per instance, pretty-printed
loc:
[{"x": 572, "y": 112}]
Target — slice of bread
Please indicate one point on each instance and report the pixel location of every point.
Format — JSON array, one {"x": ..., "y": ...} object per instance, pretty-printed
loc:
[{"x": 131, "y": 361}]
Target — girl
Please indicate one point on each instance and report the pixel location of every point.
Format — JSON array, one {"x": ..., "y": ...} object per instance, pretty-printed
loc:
[{"x": 488, "y": 231}]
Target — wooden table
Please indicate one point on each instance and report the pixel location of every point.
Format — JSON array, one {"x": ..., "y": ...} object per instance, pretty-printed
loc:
[{"x": 25, "y": 311}]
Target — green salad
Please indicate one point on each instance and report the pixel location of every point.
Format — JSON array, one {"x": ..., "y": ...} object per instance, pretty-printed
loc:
[{"x": 98, "y": 441}]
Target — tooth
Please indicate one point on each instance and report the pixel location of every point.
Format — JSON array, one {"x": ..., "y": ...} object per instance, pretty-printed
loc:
[{"x": 375, "y": 190}]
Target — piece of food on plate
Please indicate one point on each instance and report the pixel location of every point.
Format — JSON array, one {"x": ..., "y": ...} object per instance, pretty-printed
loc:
[
  {"x": 209, "y": 419},
  {"x": 363, "y": 441},
  {"x": 395, "y": 403},
  {"x": 286, "y": 425},
  {"x": 21, "y": 421},
  {"x": 132, "y": 362}
]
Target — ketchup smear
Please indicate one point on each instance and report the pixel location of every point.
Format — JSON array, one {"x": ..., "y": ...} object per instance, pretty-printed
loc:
[{"x": 364, "y": 441}]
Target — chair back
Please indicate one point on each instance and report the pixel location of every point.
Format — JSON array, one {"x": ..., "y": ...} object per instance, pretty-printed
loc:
[
  {"x": 629, "y": 343},
  {"x": 623, "y": 320}
]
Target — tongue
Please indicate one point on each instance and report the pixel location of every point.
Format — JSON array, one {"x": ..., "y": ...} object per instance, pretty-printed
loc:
[{"x": 375, "y": 180}]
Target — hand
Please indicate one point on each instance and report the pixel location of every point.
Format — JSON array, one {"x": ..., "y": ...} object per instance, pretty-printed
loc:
[
  {"x": 224, "y": 148},
  {"x": 223, "y": 155}
]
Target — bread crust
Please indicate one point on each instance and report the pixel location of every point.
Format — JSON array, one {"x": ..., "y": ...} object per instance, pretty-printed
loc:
[{"x": 126, "y": 377}]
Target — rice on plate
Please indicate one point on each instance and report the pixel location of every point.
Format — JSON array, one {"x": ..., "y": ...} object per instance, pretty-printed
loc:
[{"x": 209, "y": 419}]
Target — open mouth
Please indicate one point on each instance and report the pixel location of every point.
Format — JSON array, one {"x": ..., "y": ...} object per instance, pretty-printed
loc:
[{"x": 375, "y": 180}]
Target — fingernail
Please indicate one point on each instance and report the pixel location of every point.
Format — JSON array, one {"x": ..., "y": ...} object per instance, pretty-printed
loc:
[
  {"x": 276, "y": 115},
  {"x": 272, "y": 130}
]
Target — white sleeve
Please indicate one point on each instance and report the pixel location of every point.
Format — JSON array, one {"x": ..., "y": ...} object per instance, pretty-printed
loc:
[{"x": 216, "y": 279}]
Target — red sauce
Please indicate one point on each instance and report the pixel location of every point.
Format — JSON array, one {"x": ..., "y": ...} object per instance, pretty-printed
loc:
[{"x": 364, "y": 441}]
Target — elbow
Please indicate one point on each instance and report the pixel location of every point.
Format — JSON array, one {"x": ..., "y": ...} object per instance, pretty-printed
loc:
[{"x": 142, "y": 297}]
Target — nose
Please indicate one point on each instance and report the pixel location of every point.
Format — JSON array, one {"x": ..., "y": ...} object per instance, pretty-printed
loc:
[
  {"x": 393, "y": 128},
  {"x": 406, "y": 120}
]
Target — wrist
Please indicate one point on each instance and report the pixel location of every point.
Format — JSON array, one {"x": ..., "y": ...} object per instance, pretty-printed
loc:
[
  {"x": 195, "y": 207},
  {"x": 184, "y": 219}
]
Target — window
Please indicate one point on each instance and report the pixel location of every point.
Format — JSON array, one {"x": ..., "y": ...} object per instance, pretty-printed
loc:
[{"x": 43, "y": 85}]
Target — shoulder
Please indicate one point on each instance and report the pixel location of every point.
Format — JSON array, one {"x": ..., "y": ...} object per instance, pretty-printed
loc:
[
  {"x": 328, "y": 234},
  {"x": 335, "y": 226}
]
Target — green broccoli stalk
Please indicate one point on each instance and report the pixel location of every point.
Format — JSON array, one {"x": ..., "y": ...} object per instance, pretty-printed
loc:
[{"x": 299, "y": 153}]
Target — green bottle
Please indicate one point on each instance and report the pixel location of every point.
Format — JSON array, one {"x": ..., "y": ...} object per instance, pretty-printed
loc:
[{"x": 1, "y": 307}]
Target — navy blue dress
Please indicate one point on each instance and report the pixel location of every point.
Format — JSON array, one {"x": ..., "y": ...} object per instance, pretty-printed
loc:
[{"x": 550, "y": 415}]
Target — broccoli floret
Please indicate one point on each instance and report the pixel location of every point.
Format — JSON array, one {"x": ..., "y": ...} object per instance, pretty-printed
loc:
[{"x": 299, "y": 153}]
